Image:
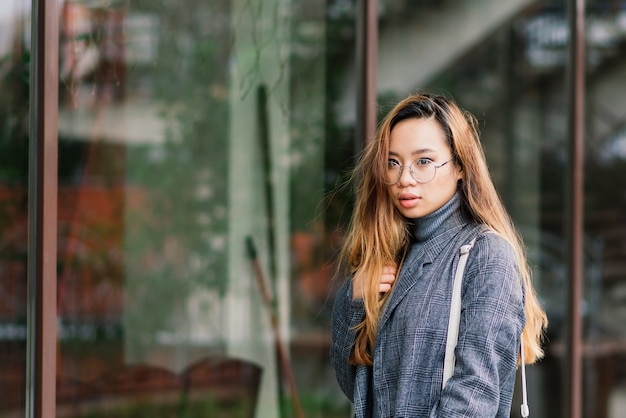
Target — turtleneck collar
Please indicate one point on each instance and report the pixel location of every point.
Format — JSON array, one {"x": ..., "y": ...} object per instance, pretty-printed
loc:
[{"x": 428, "y": 226}]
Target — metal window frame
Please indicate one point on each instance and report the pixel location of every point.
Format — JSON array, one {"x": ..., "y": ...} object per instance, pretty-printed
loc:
[
  {"x": 575, "y": 90},
  {"x": 366, "y": 59},
  {"x": 42, "y": 212}
]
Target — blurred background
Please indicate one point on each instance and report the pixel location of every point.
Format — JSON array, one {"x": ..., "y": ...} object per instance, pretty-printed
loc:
[{"x": 201, "y": 149}]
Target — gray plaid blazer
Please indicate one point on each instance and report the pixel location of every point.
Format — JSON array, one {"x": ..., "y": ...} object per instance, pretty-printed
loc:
[{"x": 405, "y": 379}]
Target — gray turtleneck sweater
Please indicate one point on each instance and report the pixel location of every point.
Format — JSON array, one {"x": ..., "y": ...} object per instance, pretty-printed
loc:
[
  {"x": 424, "y": 228},
  {"x": 405, "y": 380}
]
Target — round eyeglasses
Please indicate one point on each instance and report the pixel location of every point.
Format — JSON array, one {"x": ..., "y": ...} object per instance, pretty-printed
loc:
[{"x": 422, "y": 170}]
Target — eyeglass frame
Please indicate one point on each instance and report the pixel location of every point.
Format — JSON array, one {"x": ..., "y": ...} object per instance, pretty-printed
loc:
[{"x": 413, "y": 175}]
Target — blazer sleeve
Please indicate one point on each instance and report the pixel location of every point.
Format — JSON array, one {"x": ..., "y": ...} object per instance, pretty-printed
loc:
[
  {"x": 346, "y": 315},
  {"x": 492, "y": 320}
]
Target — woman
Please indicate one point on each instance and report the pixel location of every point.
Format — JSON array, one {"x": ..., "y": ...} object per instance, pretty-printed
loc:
[{"x": 423, "y": 191}]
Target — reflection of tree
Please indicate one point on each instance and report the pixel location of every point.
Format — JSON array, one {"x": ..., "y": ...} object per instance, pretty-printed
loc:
[
  {"x": 14, "y": 95},
  {"x": 176, "y": 228},
  {"x": 321, "y": 152},
  {"x": 14, "y": 79}
]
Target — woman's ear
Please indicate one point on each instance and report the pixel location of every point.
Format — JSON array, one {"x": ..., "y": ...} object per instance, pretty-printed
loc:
[{"x": 459, "y": 172}]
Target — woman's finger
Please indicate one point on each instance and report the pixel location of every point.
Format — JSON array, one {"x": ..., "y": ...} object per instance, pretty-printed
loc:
[
  {"x": 387, "y": 278},
  {"x": 389, "y": 275},
  {"x": 389, "y": 270}
]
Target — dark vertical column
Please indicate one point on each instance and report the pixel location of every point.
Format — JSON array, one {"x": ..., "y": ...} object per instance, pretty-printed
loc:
[
  {"x": 576, "y": 121},
  {"x": 366, "y": 57},
  {"x": 511, "y": 93},
  {"x": 42, "y": 212}
]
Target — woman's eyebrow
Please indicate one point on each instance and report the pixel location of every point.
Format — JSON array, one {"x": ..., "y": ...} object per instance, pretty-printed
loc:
[
  {"x": 415, "y": 152},
  {"x": 423, "y": 151}
]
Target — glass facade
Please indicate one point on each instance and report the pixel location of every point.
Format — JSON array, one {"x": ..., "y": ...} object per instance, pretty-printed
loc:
[
  {"x": 201, "y": 146},
  {"x": 14, "y": 116}
]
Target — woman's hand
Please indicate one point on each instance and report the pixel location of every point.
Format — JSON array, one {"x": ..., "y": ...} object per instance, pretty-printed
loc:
[{"x": 386, "y": 281}]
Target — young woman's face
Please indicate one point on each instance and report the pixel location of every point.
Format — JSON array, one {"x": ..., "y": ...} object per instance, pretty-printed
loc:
[{"x": 419, "y": 146}]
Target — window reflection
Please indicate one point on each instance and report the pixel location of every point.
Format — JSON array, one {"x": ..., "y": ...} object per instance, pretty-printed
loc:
[
  {"x": 184, "y": 130},
  {"x": 142, "y": 211},
  {"x": 514, "y": 80},
  {"x": 14, "y": 96},
  {"x": 162, "y": 134}
]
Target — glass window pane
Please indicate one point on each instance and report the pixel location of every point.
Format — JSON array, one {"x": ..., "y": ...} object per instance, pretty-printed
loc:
[
  {"x": 196, "y": 142},
  {"x": 201, "y": 149},
  {"x": 605, "y": 203},
  {"x": 510, "y": 72},
  {"x": 14, "y": 108}
]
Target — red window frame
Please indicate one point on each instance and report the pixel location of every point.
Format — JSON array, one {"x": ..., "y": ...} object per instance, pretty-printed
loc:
[{"x": 42, "y": 212}]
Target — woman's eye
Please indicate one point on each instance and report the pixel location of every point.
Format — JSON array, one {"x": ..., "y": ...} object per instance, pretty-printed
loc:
[
  {"x": 423, "y": 161},
  {"x": 393, "y": 163}
]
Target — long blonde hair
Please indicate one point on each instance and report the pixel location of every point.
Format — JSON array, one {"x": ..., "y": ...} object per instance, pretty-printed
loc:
[{"x": 378, "y": 234}]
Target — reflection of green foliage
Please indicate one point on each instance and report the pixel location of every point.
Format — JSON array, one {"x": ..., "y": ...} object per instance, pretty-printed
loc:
[
  {"x": 317, "y": 406},
  {"x": 322, "y": 149},
  {"x": 176, "y": 239},
  {"x": 341, "y": 144},
  {"x": 14, "y": 96},
  {"x": 206, "y": 407}
]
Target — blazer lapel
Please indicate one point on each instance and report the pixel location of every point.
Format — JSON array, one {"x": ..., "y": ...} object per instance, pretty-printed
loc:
[
  {"x": 412, "y": 269},
  {"x": 405, "y": 281}
]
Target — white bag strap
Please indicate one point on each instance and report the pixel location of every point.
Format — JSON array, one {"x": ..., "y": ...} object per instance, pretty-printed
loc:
[
  {"x": 524, "y": 408},
  {"x": 453, "y": 330},
  {"x": 455, "y": 315}
]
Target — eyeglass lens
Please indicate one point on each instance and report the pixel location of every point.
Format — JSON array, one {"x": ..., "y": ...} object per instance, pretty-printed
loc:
[{"x": 422, "y": 173}]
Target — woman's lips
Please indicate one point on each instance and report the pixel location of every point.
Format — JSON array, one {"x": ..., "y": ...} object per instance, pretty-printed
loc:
[{"x": 408, "y": 200}]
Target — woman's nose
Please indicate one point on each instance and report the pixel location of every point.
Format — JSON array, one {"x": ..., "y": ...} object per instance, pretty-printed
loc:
[{"x": 406, "y": 178}]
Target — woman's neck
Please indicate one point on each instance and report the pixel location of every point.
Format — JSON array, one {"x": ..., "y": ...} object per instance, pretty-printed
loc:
[{"x": 426, "y": 227}]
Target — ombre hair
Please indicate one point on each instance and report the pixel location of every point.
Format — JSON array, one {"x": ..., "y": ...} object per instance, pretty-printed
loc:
[{"x": 379, "y": 236}]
